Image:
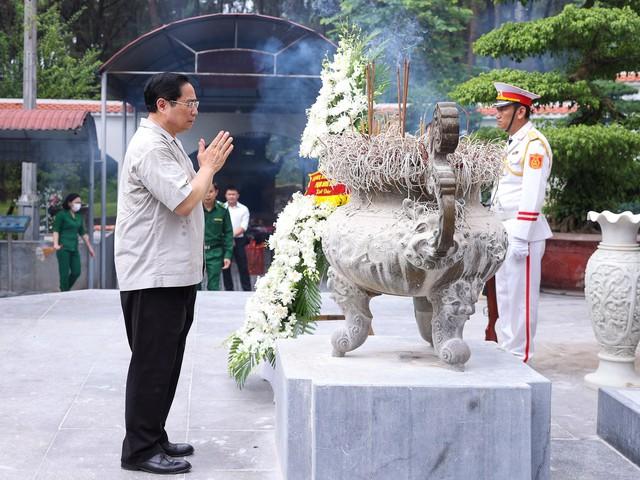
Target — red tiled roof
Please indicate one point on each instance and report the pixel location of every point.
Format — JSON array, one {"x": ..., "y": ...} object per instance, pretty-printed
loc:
[
  {"x": 42, "y": 119},
  {"x": 628, "y": 77},
  {"x": 565, "y": 109},
  {"x": 92, "y": 106}
]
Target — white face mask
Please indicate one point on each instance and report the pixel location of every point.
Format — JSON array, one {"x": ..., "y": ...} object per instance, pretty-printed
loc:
[{"x": 76, "y": 207}]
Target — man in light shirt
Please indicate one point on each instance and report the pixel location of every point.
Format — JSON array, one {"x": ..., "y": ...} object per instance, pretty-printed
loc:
[
  {"x": 159, "y": 258},
  {"x": 240, "y": 221}
]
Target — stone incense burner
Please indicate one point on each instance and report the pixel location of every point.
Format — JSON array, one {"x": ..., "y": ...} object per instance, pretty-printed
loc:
[{"x": 413, "y": 242}]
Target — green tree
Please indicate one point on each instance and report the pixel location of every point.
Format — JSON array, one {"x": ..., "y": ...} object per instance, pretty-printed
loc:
[
  {"x": 109, "y": 25},
  {"x": 60, "y": 73},
  {"x": 593, "y": 43},
  {"x": 431, "y": 32}
]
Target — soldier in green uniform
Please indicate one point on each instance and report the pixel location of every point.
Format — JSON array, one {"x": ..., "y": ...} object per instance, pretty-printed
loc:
[
  {"x": 218, "y": 238},
  {"x": 67, "y": 226}
]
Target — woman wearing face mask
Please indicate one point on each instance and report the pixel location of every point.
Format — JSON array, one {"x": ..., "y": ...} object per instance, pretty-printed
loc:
[{"x": 66, "y": 228}]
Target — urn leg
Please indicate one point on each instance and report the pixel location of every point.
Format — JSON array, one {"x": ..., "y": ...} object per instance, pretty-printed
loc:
[
  {"x": 354, "y": 302},
  {"x": 452, "y": 306},
  {"x": 424, "y": 313}
]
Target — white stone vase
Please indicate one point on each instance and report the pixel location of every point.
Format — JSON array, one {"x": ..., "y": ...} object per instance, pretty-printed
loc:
[{"x": 612, "y": 290}]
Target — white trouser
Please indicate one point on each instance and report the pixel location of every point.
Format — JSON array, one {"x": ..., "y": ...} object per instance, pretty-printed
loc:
[{"x": 517, "y": 291}]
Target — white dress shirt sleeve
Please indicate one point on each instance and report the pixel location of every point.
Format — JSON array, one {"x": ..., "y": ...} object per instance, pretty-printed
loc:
[{"x": 244, "y": 219}]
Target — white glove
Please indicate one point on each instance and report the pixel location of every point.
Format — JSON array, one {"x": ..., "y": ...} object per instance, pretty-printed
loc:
[{"x": 519, "y": 248}]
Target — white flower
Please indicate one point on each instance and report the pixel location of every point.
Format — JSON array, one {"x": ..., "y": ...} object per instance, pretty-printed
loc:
[
  {"x": 269, "y": 311},
  {"x": 340, "y": 125},
  {"x": 340, "y": 101}
]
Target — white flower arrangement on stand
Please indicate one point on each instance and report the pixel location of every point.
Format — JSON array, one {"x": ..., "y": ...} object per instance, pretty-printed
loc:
[
  {"x": 341, "y": 104},
  {"x": 287, "y": 298}
]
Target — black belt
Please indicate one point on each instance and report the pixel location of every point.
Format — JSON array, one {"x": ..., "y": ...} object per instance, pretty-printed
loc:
[{"x": 209, "y": 247}]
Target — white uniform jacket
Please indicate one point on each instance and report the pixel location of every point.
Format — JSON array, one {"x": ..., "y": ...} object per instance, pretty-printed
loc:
[{"x": 520, "y": 193}]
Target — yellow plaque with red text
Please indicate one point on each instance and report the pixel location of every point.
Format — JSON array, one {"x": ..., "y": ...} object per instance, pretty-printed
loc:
[{"x": 325, "y": 191}]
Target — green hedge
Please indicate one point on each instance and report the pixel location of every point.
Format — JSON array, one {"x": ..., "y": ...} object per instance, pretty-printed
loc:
[{"x": 595, "y": 167}]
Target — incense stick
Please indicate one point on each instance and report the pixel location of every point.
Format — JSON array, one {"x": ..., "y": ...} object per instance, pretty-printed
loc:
[{"x": 405, "y": 95}]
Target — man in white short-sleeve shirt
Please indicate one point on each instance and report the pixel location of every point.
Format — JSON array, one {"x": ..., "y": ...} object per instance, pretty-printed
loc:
[
  {"x": 240, "y": 222},
  {"x": 158, "y": 255}
]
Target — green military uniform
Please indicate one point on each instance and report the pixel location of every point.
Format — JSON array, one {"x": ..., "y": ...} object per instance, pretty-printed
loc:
[
  {"x": 68, "y": 227},
  {"x": 218, "y": 242}
]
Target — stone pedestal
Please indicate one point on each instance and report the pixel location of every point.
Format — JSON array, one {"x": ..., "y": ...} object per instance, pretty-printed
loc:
[
  {"x": 619, "y": 420},
  {"x": 393, "y": 410}
]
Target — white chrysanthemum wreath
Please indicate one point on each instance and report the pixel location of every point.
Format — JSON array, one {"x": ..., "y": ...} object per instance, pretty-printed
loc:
[
  {"x": 287, "y": 299},
  {"x": 342, "y": 103}
]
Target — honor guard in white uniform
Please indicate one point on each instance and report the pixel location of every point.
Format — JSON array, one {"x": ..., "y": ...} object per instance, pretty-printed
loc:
[{"x": 518, "y": 200}]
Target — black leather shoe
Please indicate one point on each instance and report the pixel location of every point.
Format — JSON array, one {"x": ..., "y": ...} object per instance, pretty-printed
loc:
[
  {"x": 160, "y": 463},
  {"x": 177, "y": 449}
]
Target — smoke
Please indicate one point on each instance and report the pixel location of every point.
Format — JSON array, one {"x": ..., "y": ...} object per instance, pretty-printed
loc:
[
  {"x": 265, "y": 164},
  {"x": 325, "y": 8},
  {"x": 396, "y": 33}
]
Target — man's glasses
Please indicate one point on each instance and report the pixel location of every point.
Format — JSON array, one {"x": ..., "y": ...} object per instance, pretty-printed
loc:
[{"x": 191, "y": 104}]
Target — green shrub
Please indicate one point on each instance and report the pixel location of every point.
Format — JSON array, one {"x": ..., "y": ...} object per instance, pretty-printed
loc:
[
  {"x": 633, "y": 207},
  {"x": 489, "y": 134},
  {"x": 595, "y": 167}
]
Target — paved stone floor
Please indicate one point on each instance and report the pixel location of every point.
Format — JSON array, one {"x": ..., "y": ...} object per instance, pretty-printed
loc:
[{"x": 64, "y": 359}]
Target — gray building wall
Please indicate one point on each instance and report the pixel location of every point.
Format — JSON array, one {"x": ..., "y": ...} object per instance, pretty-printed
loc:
[{"x": 33, "y": 272}]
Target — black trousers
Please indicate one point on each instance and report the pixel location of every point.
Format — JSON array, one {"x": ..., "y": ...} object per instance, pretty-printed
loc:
[
  {"x": 240, "y": 257},
  {"x": 157, "y": 321}
]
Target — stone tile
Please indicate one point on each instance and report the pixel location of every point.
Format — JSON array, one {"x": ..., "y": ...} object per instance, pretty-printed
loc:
[
  {"x": 589, "y": 460},
  {"x": 111, "y": 473},
  {"x": 558, "y": 432},
  {"x": 107, "y": 398},
  {"x": 29, "y": 307},
  {"x": 212, "y": 380},
  {"x": 197, "y": 474},
  {"x": 22, "y": 450},
  {"x": 230, "y": 414},
  {"x": 231, "y": 450},
  {"x": 222, "y": 387},
  {"x": 83, "y": 454},
  {"x": 32, "y": 406}
]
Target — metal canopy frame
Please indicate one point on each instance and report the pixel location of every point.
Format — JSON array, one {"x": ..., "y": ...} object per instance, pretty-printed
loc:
[
  {"x": 255, "y": 62},
  {"x": 252, "y": 59}
]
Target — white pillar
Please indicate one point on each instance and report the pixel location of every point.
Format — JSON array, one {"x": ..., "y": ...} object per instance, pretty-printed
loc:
[{"x": 28, "y": 201}]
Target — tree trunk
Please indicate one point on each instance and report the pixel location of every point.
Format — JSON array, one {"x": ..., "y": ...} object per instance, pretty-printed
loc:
[
  {"x": 472, "y": 34},
  {"x": 153, "y": 13},
  {"x": 497, "y": 20}
]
